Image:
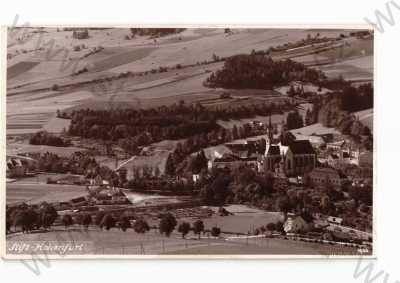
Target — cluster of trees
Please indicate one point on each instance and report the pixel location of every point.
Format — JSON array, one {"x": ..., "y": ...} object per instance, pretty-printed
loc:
[
  {"x": 336, "y": 110},
  {"x": 80, "y": 163},
  {"x": 294, "y": 120},
  {"x": 271, "y": 227},
  {"x": 243, "y": 185},
  {"x": 197, "y": 227},
  {"x": 265, "y": 191},
  {"x": 143, "y": 126},
  {"x": 260, "y": 72},
  {"x": 166, "y": 226},
  {"x": 76, "y": 163},
  {"x": 357, "y": 98},
  {"x": 30, "y": 218},
  {"x": 45, "y": 138}
]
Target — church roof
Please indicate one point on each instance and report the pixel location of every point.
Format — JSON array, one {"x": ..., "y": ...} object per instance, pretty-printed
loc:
[{"x": 301, "y": 147}]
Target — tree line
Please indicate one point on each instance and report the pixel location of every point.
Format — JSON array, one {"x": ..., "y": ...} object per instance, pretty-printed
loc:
[{"x": 29, "y": 218}]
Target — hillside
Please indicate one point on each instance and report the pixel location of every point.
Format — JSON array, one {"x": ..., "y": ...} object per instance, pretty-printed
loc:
[{"x": 49, "y": 69}]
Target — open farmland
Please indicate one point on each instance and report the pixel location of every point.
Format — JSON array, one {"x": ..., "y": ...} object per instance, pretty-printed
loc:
[
  {"x": 244, "y": 220},
  {"x": 265, "y": 246},
  {"x": 27, "y": 113},
  {"x": 20, "y": 68},
  {"x": 33, "y": 193},
  {"x": 351, "y": 60},
  {"x": 57, "y": 125},
  {"x": 15, "y": 148},
  {"x": 112, "y": 242},
  {"x": 32, "y": 73}
]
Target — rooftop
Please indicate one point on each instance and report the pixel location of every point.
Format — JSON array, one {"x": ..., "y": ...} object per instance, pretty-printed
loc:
[{"x": 301, "y": 147}]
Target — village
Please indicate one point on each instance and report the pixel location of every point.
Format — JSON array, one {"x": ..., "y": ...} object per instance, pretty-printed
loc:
[
  {"x": 286, "y": 160},
  {"x": 314, "y": 162}
]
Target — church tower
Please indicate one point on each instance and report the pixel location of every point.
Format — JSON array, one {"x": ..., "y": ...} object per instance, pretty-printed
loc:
[{"x": 270, "y": 130}]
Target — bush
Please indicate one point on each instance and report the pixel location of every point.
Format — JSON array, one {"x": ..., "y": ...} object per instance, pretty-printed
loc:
[
  {"x": 108, "y": 222},
  {"x": 271, "y": 227},
  {"x": 124, "y": 223},
  {"x": 215, "y": 231},
  {"x": 54, "y": 87},
  {"x": 141, "y": 226},
  {"x": 67, "y": 220},
  {"x": 184, "y": 229},
  {"x": 86, "y": 220}
]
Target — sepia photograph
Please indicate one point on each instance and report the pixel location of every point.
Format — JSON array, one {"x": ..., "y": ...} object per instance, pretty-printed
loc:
[{"x": 189, "y": 142}]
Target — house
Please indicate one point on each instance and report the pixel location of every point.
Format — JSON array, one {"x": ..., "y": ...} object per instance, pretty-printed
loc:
[
  {"x": 232, "y": 162},
  {"x": 337, "y": 145},
  {"x": 333, "y": 160},
  {"x": 323, "y": 176},
  {"x": 300, "y": 158},
  {"x": 17, "y": 166},
  {"x": 335, "y": 220},
  {"x": 296, "y": 224},
  {"x": 119, "y": 197},
  {"x": 79, "y": 201}
]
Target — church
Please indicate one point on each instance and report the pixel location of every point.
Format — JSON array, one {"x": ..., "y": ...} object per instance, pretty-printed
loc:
[{"x": 295, "y": 159}]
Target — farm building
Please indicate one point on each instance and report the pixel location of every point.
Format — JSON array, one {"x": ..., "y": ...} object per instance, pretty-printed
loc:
[
  {"x": 80, "y": 34},
  {"x": 322, "y": 176},
  {"x": 78, "y": 201}
]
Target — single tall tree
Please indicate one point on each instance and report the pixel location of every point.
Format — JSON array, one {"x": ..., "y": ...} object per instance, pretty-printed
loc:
[
  {"x": 198, "y": 227},
  {"x": 67, "y": 220},
  {"x": 184, "y": 229},
  {"x": 167, "y": 224}
]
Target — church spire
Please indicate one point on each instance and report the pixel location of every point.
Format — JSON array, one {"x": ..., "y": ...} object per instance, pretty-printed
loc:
[{"x": 270, "y": 136}]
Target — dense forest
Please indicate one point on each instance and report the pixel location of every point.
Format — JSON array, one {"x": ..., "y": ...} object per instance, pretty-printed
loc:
[
  {"x": 140, "y": 127},
  {"x": 260, "y": 72},
  {"x": 336, "y": 110}
]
